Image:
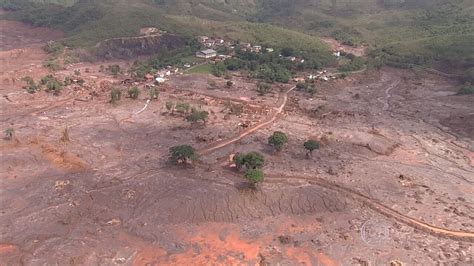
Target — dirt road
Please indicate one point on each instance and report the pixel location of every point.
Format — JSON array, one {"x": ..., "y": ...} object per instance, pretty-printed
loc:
[
  {"x": 381, "y": 208},
  {"x": 249, "y": 131}
]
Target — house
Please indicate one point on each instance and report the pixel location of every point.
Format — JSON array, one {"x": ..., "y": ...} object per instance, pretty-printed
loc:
[
  {"x": 160, "y": 80},
  {"x": 162, "y": 73},
  {"x": 208, "y": 53},
  {"x": 203, "y": 39},
  {"x": 256, "y": 48},
  {"x": 149, "y": 31}
]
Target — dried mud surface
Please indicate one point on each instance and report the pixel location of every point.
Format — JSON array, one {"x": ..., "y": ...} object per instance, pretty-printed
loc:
[{"x": 390, "y": 138}]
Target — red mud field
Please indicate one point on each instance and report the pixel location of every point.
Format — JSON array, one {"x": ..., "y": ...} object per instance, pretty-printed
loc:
[{"x": 391, "y": 183}]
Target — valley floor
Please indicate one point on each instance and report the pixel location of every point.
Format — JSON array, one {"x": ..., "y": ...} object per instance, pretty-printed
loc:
[{"x": 391, "y": 181}]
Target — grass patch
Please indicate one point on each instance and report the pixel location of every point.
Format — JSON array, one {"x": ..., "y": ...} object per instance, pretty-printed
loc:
[{"x": 200, "y": 69}]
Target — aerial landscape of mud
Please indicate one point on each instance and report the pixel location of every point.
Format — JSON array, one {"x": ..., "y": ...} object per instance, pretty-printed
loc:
[{"x": 391, "y": 185}]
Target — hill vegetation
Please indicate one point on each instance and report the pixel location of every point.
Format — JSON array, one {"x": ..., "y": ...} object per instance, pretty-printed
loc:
[{"x": 432, "y": 33}]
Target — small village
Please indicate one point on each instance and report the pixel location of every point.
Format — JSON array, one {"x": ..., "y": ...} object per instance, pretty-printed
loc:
[{"x": 215, "y": 50}]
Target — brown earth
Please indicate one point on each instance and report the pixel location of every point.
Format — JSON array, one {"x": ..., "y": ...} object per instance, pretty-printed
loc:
[{"x": 393, "y": 156}]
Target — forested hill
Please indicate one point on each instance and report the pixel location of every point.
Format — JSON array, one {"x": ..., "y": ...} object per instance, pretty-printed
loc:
[{"x": 436, "y": 33}]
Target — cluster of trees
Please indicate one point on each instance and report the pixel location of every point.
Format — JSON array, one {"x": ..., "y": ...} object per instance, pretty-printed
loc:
[
  {"x": 192, "y": 114},
  {"x": 133, "y": 93},
  {"x": 51, "y": 84},
  {"x": 356, "y": 63},
  {"x": 270, "y": 67},
  {"x": 306, "y": 86},
  {"x": 253, "y": 162},
  {"x": 278, "y": 139}
]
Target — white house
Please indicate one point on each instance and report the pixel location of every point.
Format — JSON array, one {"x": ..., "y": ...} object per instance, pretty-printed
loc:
[{"x": 208, "y": 53}]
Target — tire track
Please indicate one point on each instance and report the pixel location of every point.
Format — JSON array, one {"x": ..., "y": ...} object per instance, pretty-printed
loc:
[{"x": 383, "y": 209}]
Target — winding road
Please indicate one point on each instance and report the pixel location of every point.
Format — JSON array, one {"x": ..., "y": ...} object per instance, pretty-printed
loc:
[{"x": 249, "y": 131}]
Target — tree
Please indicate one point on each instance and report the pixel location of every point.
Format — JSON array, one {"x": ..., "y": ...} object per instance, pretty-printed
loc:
[
  {"x": 196, "y": 116},
  {"x": 277, "y": 140},
  {"x": 154, "y": 93},
  {"x": 253, "y": 160},
  {"x": 263, "y": 88},
  {"x": 133, "y": 92},
  {"x": 9, "y": 133},
  {"x": 239, "y": 160},
  {"x": 115, "y": 95},
  {"x": 310, "y": 146},
  {"x": 182, "y": 154},
  {"x": 254, "y": 175}
]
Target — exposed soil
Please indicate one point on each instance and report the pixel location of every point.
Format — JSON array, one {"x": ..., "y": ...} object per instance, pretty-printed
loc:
[{"x": 394, "y": 156}]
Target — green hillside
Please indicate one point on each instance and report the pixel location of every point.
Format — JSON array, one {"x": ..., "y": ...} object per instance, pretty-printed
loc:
[{"x": 435, "y": 33}]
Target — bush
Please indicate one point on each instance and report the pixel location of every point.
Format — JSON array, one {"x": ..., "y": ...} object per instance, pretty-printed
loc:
[
  {"x": 154, "y": 93},
  {"x": 67, "y": 81},
  {"x": 254, "y": 175},
  {"x": 113, "y": 69},
  {"x": 466, "y": 89},
  {"x": 197, "y": 116},
  {"x": 133, "y": 93},
  {"x": 51, "y": 65},
  {"x": 277, "y": 140},
  {"x": 263, "y": 88},
  {"x": 31, "y": 86},
  {"x": 183, "y": 108},
  {"x": 53, "y": 47},
  {"x": 115, "y": 95},
  {"x": 52, "y": 84},
  {"x": 229, "y": 83}
]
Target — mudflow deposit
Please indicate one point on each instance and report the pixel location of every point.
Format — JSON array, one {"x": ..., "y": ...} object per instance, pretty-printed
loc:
[{"x": 87, "y": 182}]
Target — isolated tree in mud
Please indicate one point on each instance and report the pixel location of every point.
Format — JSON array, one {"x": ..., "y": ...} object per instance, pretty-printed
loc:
[
  {"x": 254, "y": 176},
  {"x": 277, "y": 140},
  {"x": 310, "y": 146},
  {"x": 197, "y": 116},
  {"x": 182, "y": 154},
  {"x": 253, "y": 160},
  {"x": 9, "y": 133}
]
